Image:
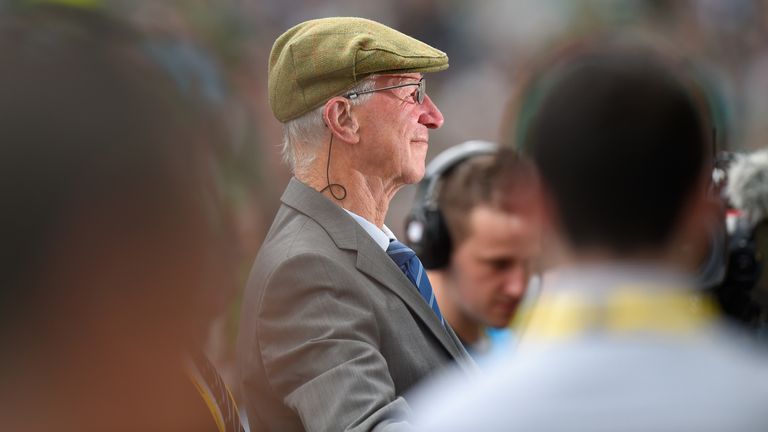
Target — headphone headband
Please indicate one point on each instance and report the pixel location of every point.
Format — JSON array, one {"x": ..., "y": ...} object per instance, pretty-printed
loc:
[{"x": 447, "y": 160}]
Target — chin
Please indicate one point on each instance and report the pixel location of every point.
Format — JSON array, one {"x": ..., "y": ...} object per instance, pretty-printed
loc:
[
  {"x": 501, "y": 320},
  {"x": 414, "y": 177},
  {"x": 418, "y": 171},
  {"x": 414, "y": 173},
  {"x": 500, "y": 324}
]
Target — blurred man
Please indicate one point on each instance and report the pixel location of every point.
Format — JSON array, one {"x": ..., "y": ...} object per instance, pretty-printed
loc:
[
  {"x": 619, "y": 339},
  {"x": 115, "y": 248},
  {"x": 339, "y": 319},
  {"x": 479, "y": 241}
]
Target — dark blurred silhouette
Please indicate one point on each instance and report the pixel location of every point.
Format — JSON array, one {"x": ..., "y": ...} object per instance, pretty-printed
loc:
[
  {"x": 115, "y": 243},
  {"x": 620, "y": 337}
]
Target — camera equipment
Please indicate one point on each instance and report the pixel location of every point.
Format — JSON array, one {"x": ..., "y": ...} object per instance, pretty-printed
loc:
[{"x": 739, "y": 291}]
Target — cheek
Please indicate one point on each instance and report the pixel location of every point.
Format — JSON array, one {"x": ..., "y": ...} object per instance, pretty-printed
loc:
[{"x": 476, "y": 283}]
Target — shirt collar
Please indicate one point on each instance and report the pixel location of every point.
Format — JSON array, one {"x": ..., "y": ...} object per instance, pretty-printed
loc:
[{"x": 382, "y": 236}]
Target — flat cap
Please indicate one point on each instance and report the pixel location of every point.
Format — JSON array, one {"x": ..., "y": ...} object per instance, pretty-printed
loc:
[{"x": 318, "y": 59}]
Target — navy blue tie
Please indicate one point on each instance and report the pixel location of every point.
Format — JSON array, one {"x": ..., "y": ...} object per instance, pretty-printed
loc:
[{"x": 409, "y": 263}]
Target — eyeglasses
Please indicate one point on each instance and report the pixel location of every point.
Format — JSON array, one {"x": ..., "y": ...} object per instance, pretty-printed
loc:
[{"x": 418, "y": 94}]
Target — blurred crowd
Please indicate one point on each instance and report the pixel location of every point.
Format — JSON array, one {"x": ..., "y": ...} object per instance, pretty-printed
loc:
[
  {"x": 218, "y": 51},
  {"x": 223, "y": 45}
]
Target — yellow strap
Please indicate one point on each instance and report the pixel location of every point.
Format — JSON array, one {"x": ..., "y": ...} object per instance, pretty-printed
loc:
[
  {"x": 207, "y": 396},
  {"x": 565, "y": 315}
]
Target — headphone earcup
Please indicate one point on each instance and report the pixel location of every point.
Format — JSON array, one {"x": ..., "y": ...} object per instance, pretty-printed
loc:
[{"x": 427, "y": 234}]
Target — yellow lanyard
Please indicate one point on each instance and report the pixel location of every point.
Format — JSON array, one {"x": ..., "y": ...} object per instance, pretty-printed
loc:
[{"x": 626, "y": 309}]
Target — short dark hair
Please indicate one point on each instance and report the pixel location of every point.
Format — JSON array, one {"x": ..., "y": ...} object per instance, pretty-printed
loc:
[
  {"x": 619, "y": 137},
  {"x": 504, "y": 180}
]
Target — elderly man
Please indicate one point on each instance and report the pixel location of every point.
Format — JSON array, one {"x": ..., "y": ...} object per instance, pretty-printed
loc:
[{"x": 339, "y": 318}]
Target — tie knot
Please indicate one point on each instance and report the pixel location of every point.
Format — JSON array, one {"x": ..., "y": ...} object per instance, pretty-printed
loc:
[
  {"x": 399, "y": 252},
  {"x": 409, "y": 263}
]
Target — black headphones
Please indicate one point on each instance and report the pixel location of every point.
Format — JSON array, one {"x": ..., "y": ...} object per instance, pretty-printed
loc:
[{"x": 425, "y": 229}]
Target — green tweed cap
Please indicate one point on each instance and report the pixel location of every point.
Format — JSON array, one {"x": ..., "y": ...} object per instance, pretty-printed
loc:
[{"x": 319, "y": 59}]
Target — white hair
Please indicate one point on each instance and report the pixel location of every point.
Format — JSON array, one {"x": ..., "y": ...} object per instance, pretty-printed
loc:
[
  {"x": 748, "y": 185},
  {"x": 302, "y": 135}
]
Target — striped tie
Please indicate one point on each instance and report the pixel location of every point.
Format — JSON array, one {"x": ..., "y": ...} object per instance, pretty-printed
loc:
[{"x": 409, "y": 263}]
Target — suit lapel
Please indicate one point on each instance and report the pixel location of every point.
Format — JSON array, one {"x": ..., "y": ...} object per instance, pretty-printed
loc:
[
  {"x": 375, "y": 263},
  {"x": 371, "y": 259}
]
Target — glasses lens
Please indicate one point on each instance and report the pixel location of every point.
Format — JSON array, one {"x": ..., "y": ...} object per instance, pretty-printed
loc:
[{"x": 421, "y": 90}]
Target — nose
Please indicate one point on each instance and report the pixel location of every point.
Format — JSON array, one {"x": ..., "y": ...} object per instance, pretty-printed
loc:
[
  {"x": 516, "y": 282},
  {"x": 432, "y": 118}
]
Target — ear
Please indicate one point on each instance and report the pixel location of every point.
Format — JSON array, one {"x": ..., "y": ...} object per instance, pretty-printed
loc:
[{"x": 337, "y": 115}]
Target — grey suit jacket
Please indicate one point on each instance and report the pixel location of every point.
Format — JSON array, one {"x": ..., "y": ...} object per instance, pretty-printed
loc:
[{"x": 332, "y": 332}]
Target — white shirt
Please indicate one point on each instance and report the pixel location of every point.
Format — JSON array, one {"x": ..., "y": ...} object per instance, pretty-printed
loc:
[
  {"x": 381, "y": 236},
  {"x": 639, "y": 381}
]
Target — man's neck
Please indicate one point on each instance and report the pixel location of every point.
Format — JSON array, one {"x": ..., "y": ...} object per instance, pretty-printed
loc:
[
  {"x": 366, "y": 197},
  {"x": 467, "y": 329}
]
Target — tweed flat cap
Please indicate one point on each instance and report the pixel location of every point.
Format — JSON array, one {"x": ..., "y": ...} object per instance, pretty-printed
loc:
[{"x": 318, "y": 59}]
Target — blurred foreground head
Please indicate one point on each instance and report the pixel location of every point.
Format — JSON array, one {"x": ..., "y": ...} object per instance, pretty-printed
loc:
[
  {"x": 113, "y": 244},
  {"x": 621, "y": 138}
]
